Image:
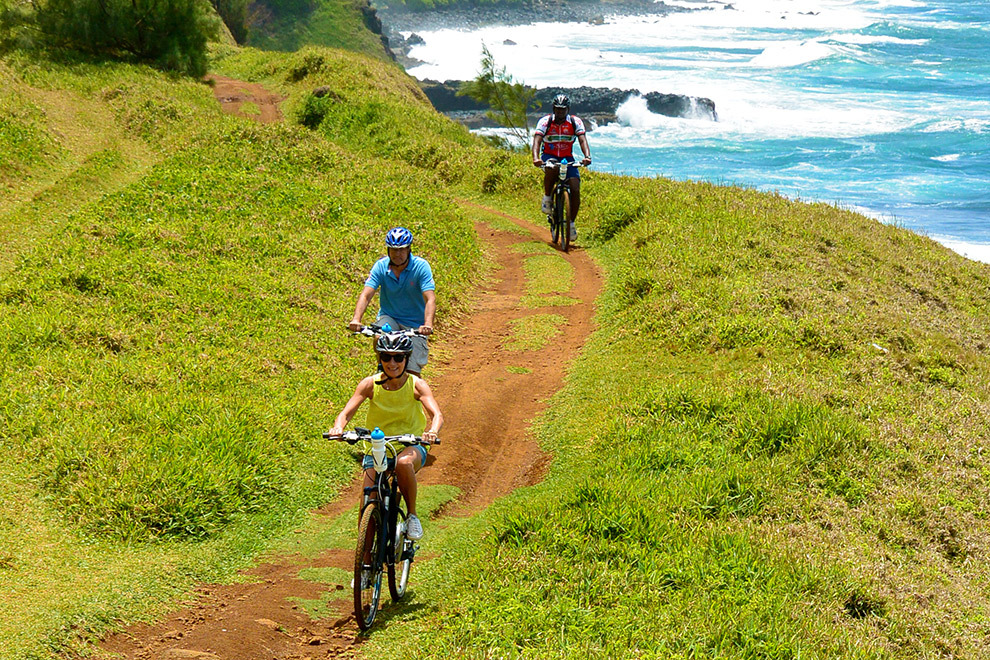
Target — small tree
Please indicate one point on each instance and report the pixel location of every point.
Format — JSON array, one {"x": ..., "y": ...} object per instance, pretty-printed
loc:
[
  {"x": 509, "y": 101},
  {"x": 171, "y": 34}
]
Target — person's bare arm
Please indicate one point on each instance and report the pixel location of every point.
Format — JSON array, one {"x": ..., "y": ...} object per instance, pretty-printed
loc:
[
  {"x": 537, "y": 142},
  {"x": 424, "y": 395},
  {"x": 585, "y": 149},
  {"x": 430, "y": 297},
  {"x": 364, "y": 390},
  {"x": 364, "y": 299}
]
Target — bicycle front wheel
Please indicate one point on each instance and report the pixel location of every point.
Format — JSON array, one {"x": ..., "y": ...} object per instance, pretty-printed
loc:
[
  {"x": 552, "y": 218},
  {"x": 398, "y": 570},
  {"x": 565, "y": 227},
  {"x": 368, "y": 566},
  {"x": 559, "y": 220}
]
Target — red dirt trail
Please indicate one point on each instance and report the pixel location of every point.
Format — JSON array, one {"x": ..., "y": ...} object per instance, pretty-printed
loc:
[{"x": 486, "y": 452}]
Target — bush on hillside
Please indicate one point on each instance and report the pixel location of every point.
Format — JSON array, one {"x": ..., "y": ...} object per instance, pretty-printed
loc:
[
  {"x": 15, "y": 17},
  {"x": 171, "y": 34},
  {"x": 234, "y": 15}
]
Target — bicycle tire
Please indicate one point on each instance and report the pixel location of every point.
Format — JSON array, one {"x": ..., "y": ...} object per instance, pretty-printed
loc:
[
  {"x": 366, "y": 600},
  {"x": 559, "y": 219},
  {"x": 552, "y": 220},
  {"x": 565, "y": 227},
  {"x": 398, "y": 570}
]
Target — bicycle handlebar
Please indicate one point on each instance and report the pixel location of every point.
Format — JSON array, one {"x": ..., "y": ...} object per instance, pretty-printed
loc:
[
  {"x": 350, "y": 437},
  {"x": 555, "y": 163},
  {"x": 375, "y": 330}
]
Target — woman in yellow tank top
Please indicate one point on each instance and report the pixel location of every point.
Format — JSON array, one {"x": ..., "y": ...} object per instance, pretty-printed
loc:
[{"x": 399, "y": 403}]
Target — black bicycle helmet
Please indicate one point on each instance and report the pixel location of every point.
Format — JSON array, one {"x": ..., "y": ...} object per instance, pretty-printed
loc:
[
  {"x": 398, "y": 237},
  {"x": 561, "y": 101},
  {"x": 394, "y": 344}
]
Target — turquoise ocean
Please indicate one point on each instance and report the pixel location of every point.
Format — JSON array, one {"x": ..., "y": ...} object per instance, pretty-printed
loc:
[{"x": 881, "y": 106}]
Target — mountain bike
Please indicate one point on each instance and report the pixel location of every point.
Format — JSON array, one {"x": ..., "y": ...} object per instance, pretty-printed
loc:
[
  {"x": 382, "y": 543},
  {"x": 560, "y": 201}
]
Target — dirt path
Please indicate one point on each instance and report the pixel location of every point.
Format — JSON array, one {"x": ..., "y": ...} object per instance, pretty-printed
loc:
[
  {"x": 486, "y": 453},
  {"x": 244, "y": 99}
]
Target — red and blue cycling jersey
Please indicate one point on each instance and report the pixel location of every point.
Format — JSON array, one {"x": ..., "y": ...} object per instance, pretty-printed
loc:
[{"x": 559, "y": 137}]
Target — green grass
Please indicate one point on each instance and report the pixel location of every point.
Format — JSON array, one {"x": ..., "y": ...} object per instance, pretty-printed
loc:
[
  {"x": 327, "y": 23},
  {"x": 174, "y": 345},
  {"x": 533, "y": 332}
]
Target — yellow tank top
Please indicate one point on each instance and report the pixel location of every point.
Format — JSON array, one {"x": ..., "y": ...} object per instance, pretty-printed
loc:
[{"x": 396, "y": 412}]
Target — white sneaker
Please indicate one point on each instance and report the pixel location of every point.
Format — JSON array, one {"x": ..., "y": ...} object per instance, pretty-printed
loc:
[
  {"x": 545, "y": 206},
  {"x": 573, "y": 233},
  {"x": 414, "y": 529}
]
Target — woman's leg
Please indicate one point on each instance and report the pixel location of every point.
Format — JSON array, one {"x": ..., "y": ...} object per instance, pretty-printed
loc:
[{"x": 406, "y": 466}]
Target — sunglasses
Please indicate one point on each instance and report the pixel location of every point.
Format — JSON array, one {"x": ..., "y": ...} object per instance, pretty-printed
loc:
[{"x": 388, "y": 357}]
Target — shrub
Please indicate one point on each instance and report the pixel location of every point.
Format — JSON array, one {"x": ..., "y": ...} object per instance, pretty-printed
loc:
[
  {"x": 171, "y": 34},
  {"x": 234, "y": 15}
]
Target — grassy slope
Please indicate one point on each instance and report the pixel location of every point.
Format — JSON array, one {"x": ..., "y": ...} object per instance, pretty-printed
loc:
[
  {"x": 331, "y": 23},
  {"x": 772, "y": 447},
  {"x": 172, "y": 348}
]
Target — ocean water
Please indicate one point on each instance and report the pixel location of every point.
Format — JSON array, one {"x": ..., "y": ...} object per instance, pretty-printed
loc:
[{"x": 882, "y": 106}]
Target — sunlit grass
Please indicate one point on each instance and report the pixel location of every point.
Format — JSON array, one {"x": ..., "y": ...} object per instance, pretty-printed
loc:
[{"x": 535, "y": 331}]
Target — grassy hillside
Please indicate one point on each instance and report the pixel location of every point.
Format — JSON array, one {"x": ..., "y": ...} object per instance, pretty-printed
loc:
[
  {"x": 288, "y": 26},
  {"x": 773, "y": 447},
  {"x": 172, "y": 340}
]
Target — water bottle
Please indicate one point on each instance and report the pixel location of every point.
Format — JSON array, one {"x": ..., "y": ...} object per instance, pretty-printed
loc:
[{"x": 378, "y": 449}]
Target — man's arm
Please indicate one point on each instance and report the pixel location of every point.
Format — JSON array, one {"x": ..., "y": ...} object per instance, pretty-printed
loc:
[
  {"x": 585, "y": 149},
  {"x": 430, "y": 297},
  {"x": 537, "y": 143},
  {"x": 364, "y": 299}
]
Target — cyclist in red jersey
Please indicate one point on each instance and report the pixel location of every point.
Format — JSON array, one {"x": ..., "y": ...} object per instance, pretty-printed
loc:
[{"x": 554, "y": 138}]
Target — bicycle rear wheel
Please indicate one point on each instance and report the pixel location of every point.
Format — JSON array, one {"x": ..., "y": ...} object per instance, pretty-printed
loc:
[
  {"x": 398, "y": 571},
  {"x": 368, "y": 592}
]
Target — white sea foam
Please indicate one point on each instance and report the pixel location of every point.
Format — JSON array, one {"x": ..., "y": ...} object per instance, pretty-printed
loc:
[
  {"x": 974, "y": 251},
  {"x": 973, "y": 125},
  {"x": 866, "y": 39},
  {"x": 948, "y": 158},
  {"x": 791, "y": 53}
]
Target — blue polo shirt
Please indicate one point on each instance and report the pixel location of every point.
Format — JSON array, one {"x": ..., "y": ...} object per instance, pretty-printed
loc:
[{"x": 402, "y": 297}]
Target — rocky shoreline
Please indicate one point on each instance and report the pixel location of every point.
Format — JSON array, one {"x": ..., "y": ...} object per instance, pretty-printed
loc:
[
  {"x": 395, "y": 21},
  {"x": 599, "y": 104},
  {"x": 524, "y": 13}
]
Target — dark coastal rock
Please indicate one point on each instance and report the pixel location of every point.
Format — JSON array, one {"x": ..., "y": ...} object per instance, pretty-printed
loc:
[
  {"x": 594, "y": 103},
  {"x": 463, "y": 15}
]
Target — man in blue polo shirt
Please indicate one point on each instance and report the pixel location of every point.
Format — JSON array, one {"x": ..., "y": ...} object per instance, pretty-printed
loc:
[{"x": 407, "y": 297}]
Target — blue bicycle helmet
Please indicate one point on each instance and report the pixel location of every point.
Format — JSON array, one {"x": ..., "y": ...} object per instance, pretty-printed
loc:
[{"x": 398, "y": 237}]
